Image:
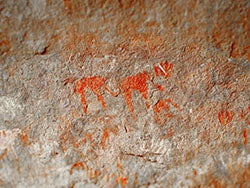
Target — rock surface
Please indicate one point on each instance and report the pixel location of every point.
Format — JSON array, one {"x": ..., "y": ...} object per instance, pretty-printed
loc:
[{"x": 124, "y": 93}]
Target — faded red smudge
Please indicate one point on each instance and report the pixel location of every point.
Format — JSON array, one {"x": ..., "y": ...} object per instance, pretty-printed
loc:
[
  {"x": 67, "y": 139},
  {"x": 164, "y": 69},
  {"x": 225, "y": 117},
  {"x": 244, "y": 115},
  {"x": 162, "y": 105},
  {"x": 135, "y": 83},
  {"x": 68, "y": 6},
  {"x": 170, "y": 132},
  {"x": 119, "y": 166},
  {"x": 195, "y": 172},
  {"x": 2, "y": 155},
  {"x": 105, "y": 136},
  {"x": 245, "y": 136},
  {"x": 95, "y": 84},
  {"x": 87, "y": 137},
  {"x": 122, "y": 180},
  {"x": 78, "y": 165},
  {"x": 24, "y": 137},
  {"x": 5, "y": 44},
  {"x": 92, "y": 173}
]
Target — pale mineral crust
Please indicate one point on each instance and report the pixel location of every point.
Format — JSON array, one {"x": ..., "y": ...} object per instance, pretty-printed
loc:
[{"x": 124, "y": 93}]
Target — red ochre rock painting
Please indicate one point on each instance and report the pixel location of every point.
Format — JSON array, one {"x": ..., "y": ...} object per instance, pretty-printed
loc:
[
  {"x": 81, "y": 166},
  {"x": 163, "y": 105},
  {"x": 78, "y": 166},
  {"x": 139, "y": 83},
  {"x": 130, "y": 84},
  {"x": 164, "y": 69},
  {"x": 245, "y": 115},
  {"x": 225, "y": 117},
  {"x": 95, "y": 84},
  {"x": 135, "y": 83},
  {"x": 245, "y": 139},
  {"x": 68, "y": 139},
  {"x": 106, "y": 134},
  {"x": 91, "y": 173}
]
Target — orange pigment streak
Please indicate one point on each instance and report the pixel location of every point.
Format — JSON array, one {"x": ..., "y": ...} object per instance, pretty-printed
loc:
[
  {"x": 170, "y": 132},
  {"x": 159, "y": 87},
  {"x": 119, "y": 166},
  {"x": 122, "y": 180},
  {"x": 77, "y": 165},
  {"x": 245, "y": 136},
  {"x": 225, "y": 117},
  {"x": 105, "y": 136},
  {"x": 195, "y": 172}
]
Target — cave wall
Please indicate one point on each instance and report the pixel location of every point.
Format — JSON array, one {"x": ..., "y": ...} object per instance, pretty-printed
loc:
[{"x": 124, "y": 93}]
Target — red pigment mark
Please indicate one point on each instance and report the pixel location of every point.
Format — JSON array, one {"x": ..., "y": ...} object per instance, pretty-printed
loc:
[
  {"x": 95, "y": 84},
  {"x": 24, "y": 138},
  {"x": 68, "y": 139},
  {"x": 163, "y": 105},
  {"x": 105, "y": 135},
  {"x": 71, "y": 6},
  {"x": 88, "y": 136},
  {"x": 245, "y": 136},
  {"x": 195, "y": 172},
  {"x": 119, "y": 166},
  {"x": 225, "y": 117},
  {"x": 68, "y": 6},
  {"x": 77, "y": 165},
  {"x": 121, "y": 180},
  {"x": 80, "y": 166},
  {"x": 95, "y": 173},
  {"x": 2, "y": 155},
  {"x": 92, "y": 173},
  {"x": 164, "y": 69},
  {"x": 5, "y": 44},
  {"x": 170, "y": 132},
  {"x": 159, "y": 87},
  {"x": 244, "y": 115},
  {"x": 135, "y": 83}
]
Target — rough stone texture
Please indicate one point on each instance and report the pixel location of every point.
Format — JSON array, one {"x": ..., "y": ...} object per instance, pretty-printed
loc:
[{"x": 166, "y": 86}]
